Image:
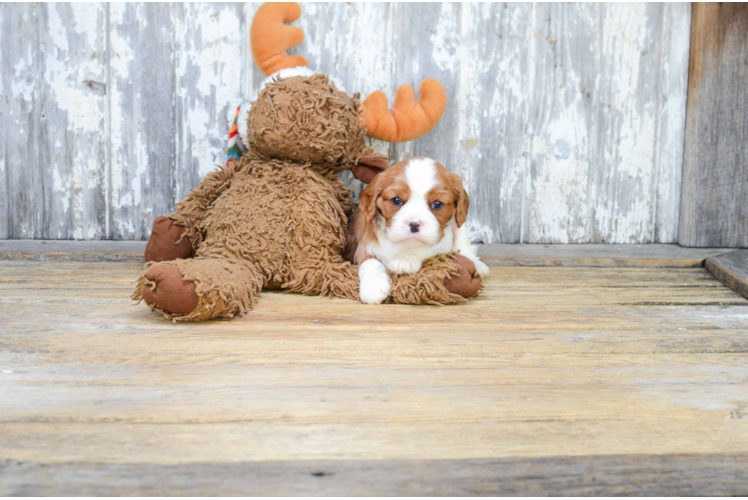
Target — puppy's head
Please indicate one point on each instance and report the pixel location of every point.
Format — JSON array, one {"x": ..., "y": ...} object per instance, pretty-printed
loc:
[{"x": 416, "y": 198}]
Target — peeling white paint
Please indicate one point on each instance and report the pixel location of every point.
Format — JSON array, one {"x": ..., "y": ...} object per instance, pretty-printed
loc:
[
  {"x": 445, "y": 46},
  {"x": 211, "y": 39},
  {"x": 479, "y": 233},
  {"x": 566, "y": 122}
]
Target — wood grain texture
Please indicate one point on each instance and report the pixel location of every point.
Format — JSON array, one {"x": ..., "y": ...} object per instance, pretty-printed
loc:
[
  {"x": 566, "y": 121},
  {"x": 672, "y": 88},
  {"x": 596, "y": 171},
  {"x": 731, "y": 269},
  {"x": 22, "y": 183},
  {"x": 142, "y": 106},
  {"x": 595, "y": 255},
  {"x": 585, "y": 255},
  {"x": 72, "y": 149},
  {"x": 715, "y": 173},
  {"x": 53, "y": 120},
  {"x": 209, "y": 48},
  {"x": 551, "y": 377},
  {"x": 637, "y": 475}
]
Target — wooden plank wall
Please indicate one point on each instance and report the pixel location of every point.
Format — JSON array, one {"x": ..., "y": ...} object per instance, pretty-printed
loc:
[
  {"x": 715, "y": 173},
  {"x": 566, "y": 120}
]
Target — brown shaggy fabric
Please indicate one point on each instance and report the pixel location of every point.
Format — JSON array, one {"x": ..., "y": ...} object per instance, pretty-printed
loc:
[
  {"x": 308, "y": 120},
  {"x": 429, "y": 285},
  {"x": 277, "y": 217},
  {"x": 191, "y": 210}
]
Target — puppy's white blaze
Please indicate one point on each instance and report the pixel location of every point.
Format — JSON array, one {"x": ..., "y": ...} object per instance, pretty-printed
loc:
[
  {"x": 420, "y": 174},
  {"x": 374, "y": 283}
]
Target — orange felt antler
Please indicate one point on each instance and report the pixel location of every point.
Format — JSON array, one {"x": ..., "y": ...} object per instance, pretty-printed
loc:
[
  {"x": 408, "y": 119},
  {"x": 271, "y": 38}
]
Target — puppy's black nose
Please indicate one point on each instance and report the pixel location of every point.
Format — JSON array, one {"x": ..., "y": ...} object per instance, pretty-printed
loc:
[{"x": 414, "y": 227}]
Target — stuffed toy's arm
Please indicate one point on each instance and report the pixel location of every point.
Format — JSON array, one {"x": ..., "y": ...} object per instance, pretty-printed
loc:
[
  {"x": 443, "y": 279},
  {"x": 192, "y": 208},
  {"x": 178, "y": 235}
]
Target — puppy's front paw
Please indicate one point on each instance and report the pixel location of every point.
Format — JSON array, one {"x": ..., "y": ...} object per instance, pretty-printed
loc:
[
  {"x": 404, "y": 265},
  {"x": 374, "y": 287},
  {"x": 480, "y": 268}
]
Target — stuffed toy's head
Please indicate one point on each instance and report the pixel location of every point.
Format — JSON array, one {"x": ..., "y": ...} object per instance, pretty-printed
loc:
[
  {"x": 306, "y": 119},
  {"x": 305, "y": 116}
]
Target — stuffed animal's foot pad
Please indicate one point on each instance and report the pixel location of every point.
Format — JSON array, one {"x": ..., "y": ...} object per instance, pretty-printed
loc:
[
  {"x": 168, "y": 291},
  {"x": 167, "y": 242},
  {"x": 464, "y": 283}
]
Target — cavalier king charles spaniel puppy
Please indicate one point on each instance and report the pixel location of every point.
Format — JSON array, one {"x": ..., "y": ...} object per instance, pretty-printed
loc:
[{"x": 412, "y": 211}]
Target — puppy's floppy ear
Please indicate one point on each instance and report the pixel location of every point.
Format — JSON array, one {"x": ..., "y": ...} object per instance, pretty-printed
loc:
[
  {"x": 368, "y": 199},
  {"x": 462, "y": 201},
  {"x": 369, "y": 165}
]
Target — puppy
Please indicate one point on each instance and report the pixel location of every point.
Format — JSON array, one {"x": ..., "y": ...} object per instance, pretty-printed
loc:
[{"x": 412, "y": 211}]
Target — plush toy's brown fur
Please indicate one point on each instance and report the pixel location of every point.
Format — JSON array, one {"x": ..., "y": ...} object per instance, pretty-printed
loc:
[{"x": 276, "y": 218}]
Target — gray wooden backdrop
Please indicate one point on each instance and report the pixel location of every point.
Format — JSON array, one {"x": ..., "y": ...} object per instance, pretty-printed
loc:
[{"x": 565, "y": 120}]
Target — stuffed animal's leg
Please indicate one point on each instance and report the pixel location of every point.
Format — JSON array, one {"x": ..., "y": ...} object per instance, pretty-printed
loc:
[
  {"x": 199, "y": 289},
  {"x": 444, "y": 279},
  {"x": 178, "y": 235},
  {"x": 333, "y": 277}
]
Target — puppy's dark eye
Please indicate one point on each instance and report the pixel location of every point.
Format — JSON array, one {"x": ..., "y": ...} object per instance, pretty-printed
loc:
[
  {"x": 437, "y": 205},
  {"x": 396, "y": 201}
]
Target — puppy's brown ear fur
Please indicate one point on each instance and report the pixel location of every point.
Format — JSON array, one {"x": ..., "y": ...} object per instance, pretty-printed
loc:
[
  {"x": 462, "y": 201},
  {"x": 368, "y": 199},
  {"x": 369, "y": 165}
]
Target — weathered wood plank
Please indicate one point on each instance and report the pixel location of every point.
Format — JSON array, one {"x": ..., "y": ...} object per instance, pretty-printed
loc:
[
  {"x": 209, "y": 48},
  {"x": 491, "y": 106},
  {"x": 623, "y": 172},
  {"x": 4, "y": 196},
  {"x": 21, "y": 120},
  {"x": 731, "y": 269},
  {"x": 142, "y": 115},
  {"x": 435, "y": 29},
  {"x": 597, "y": 255},
  {"x": 636, "y": 475},
  {"x": 671, "y": 127},
  {"x": 594, "y": 158},
  {"x": 665, "y": 287},
  {"x": 714, "y": 204},
  {"x": 99, "y": 396},
  {"x": 72, "y": 251},
  {"x": 73, "y": 138},
  {"x": 586, "y": 255},
  {"x": 54, "y": 116},
  {"x": 516, "y": 88},
  {"x": 562, "y": 123}
]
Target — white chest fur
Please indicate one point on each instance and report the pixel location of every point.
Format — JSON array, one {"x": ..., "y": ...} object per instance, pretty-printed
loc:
[{"x": 392, "y": 254}]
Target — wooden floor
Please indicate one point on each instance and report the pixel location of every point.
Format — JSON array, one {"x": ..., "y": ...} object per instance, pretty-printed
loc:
[{"x": 555, "y": 381}]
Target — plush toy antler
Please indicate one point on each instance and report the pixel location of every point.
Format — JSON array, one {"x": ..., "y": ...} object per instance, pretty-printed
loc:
[
  {"x": 408, "y": 119},
  {"x": 271, "y": 38}
]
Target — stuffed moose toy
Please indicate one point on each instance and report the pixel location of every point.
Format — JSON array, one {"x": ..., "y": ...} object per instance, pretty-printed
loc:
[{"x": 275, "y": 216}]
